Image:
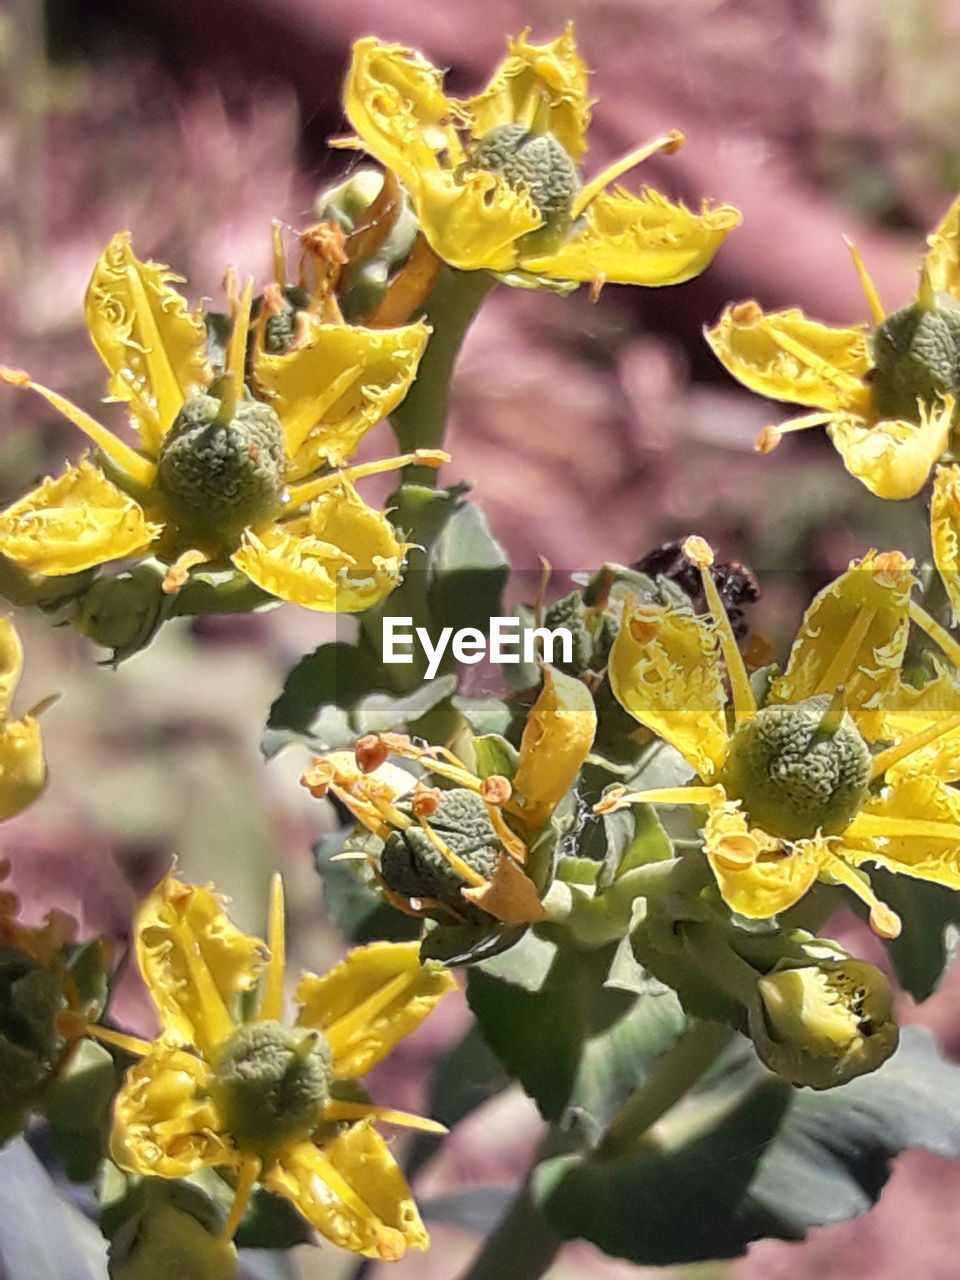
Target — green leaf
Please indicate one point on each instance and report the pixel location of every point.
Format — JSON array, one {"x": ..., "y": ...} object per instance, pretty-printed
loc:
[
  {"x": 776, "y": 1163},
  {"x": 468, "y": 571},
  {"x": 575, "y": 1045},
  {"x": 339, "y": 674},
  {"x": 382, "y": 712},
  {"x": 930, "y": 913}
]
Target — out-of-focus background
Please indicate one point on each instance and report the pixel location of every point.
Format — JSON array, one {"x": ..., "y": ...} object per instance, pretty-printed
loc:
[{"x": 591, "y": 431}]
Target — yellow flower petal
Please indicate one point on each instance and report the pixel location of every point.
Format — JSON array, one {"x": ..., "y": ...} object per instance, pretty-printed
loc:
[
  {"x": 665, "y": 669},
  {"x": 854, "y": 634},
  {"x": 164, "y": 1121},
  {"x": 893, "y": 459},
  {"x": 785, "y": 356},
  {"x": 945, "y": 532},
  {"x": 353, "y": 1192},
  {"x": 194, "y": 961},
  {"x": 74, "y": 522},
  {"x": 910, "y": 711},
  {"x": 558, "y": 735},
  {"x": 758, "y": 876},
  {"x": 331, "y": 391},
  {"x": 914, "y": 799},
  {"x": 11, "y": 663},
  {"x": 153, "y": 346},
  {"x": 547, "y": 82},
  {"x": 23, "y": 770},
  {"x": 474, "y": 222},
  {"x": 340, "y": 557},
  {"x": 394, "y": 99},
  {"x": 645, "y": 240},
  {"x": 372, "y": 999},
  {"x": 942, "y": 263}
]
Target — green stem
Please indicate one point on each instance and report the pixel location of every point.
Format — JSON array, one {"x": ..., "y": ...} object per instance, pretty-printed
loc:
[
  {"x": 524, "y": 1243},
  {"x": 421, "y": 419},
  {"x": 676, "y": 1072}
]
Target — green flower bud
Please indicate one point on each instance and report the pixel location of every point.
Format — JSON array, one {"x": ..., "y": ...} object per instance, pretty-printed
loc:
[
  {"x": 916, "y": 353},
  {"x": 221, "y": 466},
  {"x": 535, "y": 163},
  {"x": 270, "y": 1083},
  {"x": 824, "y": 1024},
  {"x": 412, "y": 865},
  {"x": 170, "y": 1244},
  {"x": 799, "y": 769},
  {"x": 280, "y": 327},
  {"x": 123, "y": 611}
]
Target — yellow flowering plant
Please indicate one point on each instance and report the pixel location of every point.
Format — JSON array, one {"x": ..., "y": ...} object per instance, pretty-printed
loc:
[
  {"x": 629, "y": 840},
  {"x": 826, "y": 775},
  {"x": 219, "y": 475},
  {"x": 886, "y": 391},
  {"x": 228, "y": 1085},
  {"x": 494, "y": 179}
]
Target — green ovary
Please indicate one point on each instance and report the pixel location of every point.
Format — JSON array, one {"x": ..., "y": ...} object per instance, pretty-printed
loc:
[
  {"x": 795, "y": 777},
  {"x": 216, "y": 477},
  {"x": 537, "y": 164},
  {"x": 916, "y": 353},
  {"x": 270, "y": 1084}
]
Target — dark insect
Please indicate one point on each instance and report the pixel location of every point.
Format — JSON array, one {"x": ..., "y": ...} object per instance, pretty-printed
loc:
[{"x": 737, "y": 585}]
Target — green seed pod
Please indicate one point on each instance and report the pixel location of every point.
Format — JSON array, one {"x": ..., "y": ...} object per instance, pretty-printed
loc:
[
  {"x": 824, "y": 1024},
  {"x": 270, "y": 1083},
  {"x": 799, "y": 769},
  {"x": 916, "y": 353},
  {"x": 221, "y": 467},
  {"x": 533, "y": 162},
  {"x": 124, "y": 610},
  {"x": 412, "y": 865},
  {"x": 168, "y": 1243}
]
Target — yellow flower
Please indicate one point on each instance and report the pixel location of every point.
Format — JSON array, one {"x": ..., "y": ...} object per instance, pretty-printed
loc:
[
  {"x": 887, "y": 394},
  {"x": 218, "y": 474},
  {"x": 460, "y": 853},
  {"x": 23, "y": 769},
  {"x": 494, "y": 179},
  {"x": 227, "y": 1087},
  {"x": 842, "y": 765}
]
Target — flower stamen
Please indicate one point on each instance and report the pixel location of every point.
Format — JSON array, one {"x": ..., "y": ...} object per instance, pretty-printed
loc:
[
  {"x": 878, "y": 311},
  {"x": 668, "y": 143},
  {"x": 744, "y": 704}
]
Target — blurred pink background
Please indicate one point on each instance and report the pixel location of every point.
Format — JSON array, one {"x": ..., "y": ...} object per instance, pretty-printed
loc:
[{"x": 591, "y": 431}]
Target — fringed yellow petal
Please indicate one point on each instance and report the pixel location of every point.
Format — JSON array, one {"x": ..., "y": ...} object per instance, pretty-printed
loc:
[
  {"x": 153, "y": 346},
  {"x": 785, "y": 356},
  {"x": 329, "y": 392},
  {"x": 945, "y": 532},
  {"x": 353, "y": 1192},
  {"x": 665, "y": 670},
  {"x": 377, "y": 995},
  {"x": 854, "y": 634},
  {"x": 757, "y": 875},
  {"x": 882, "y": 832},
  {"x": 394, "y": 99},
  {"x": 73, "y": 522},
  {"x": 893, "y": 459},
  {"x": 11, "y": 664},
  {"x": 341, "y": 557},
  {"x": 546, "y": 83},
  {"x": 194, "y": 961},
  {"x": 942, "y": 263},
  {"x": 23, "y": 769},
  {"x": 911, "y": 711},
  {"x": 558, "y": 735},
  {"x": 645, "y": 240},
  {"x": 164, "y": 1123},
  {"x": 474, "y": 222}
]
